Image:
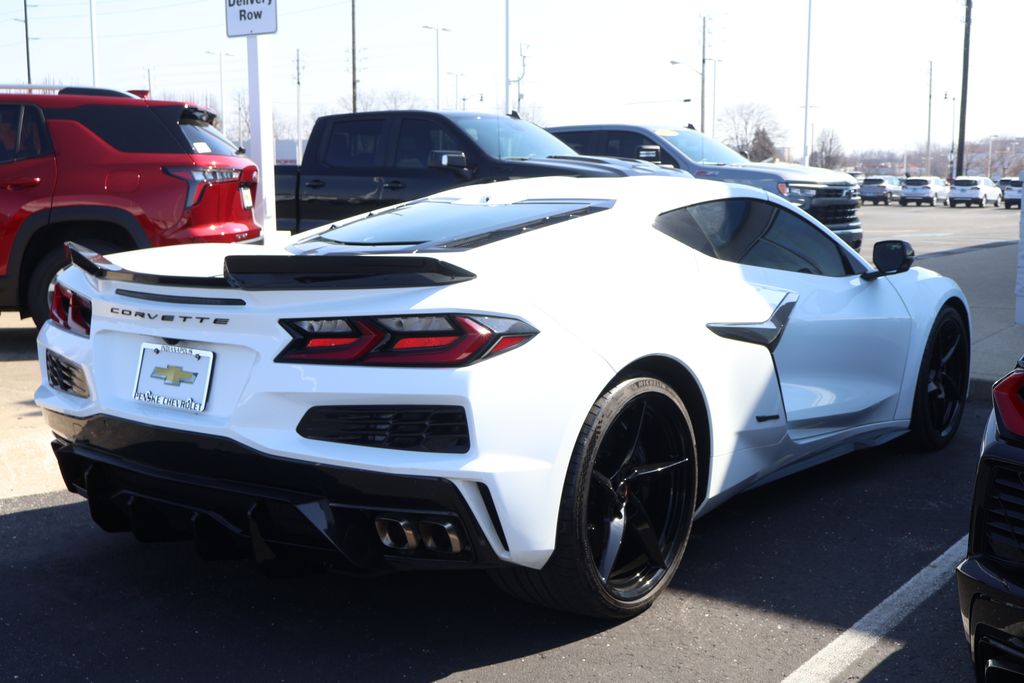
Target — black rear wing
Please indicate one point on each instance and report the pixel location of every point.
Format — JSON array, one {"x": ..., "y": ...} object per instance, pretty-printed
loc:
[{"x": 285, "y": 272}]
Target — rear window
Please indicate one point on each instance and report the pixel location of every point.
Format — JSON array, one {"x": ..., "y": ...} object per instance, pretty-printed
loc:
[
  {"x": 915, "y": 182},
  {"x": 203, "y": 138},
  {"x": 1015, "y": 183},
  {"x": 126, "y": 128},
  {"x": 965, "y": 182},
  {"x": 443, "y": 224},
  {"x": 873, "y": 181}
]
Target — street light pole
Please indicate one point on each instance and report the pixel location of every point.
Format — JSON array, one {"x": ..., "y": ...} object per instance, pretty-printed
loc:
[
  {"x": 703, "y": 65},
  {"x": 988, "y": 172},
  {"x": 28, "y": 59},
  {"x": 437, "y": 63},
  {"x": 807, "y": 86}
]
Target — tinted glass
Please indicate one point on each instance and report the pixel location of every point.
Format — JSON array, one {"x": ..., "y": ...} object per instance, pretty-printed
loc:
[
  {"x": 1016, "y": 183},
  {"x": 699, "y": 147},
  {"x": 22, "y": 133},
  {"x": 205, "y": 139},
  {"x": 963, "y": 182},
  {"x": 354, "y": 144},
  {"x": 578, "y": 141},
  {"x": 506, "y": 138},
  {"x": 418, "y": 138},
  {"x": 624, "y": 144},
  {"x": 757, "y": 234},
  {"x": 873, "y": 181},
  {"x": 446, "y": 224},
  {"x": 126, "y": 128},
  {"x": 915, "y": 182}
]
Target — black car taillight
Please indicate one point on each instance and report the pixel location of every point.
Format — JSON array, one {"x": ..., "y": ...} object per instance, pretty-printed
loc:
[
  {"x": 197, "y": 179},
  {"x": 440, "y": 340},
  {"x": 70, "y": 310},
  {"x": 1008, "y": 401}
]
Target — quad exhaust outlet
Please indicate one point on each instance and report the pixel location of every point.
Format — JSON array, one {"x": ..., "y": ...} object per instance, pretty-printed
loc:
[{"x": 438, "y": 536}]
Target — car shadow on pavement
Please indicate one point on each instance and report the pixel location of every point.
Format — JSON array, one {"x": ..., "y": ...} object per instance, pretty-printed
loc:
[
  {"x": 17, "y": 343},
  {"x": 77, "y": 601}
]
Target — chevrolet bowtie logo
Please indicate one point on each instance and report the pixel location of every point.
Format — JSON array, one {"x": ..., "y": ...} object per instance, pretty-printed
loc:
[{"x": 174, "y": 375}]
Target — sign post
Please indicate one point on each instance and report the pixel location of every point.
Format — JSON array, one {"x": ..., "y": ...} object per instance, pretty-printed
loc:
[{"x": 252, "y": 19}]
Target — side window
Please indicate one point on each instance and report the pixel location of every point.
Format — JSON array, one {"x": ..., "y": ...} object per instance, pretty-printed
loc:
[
  {"x": 22, "y": 133},
  {"x": 624, "y": 144},
  {"x": 793, "y": 244},
  {"x": 577, "y": 140},
  {"x": 755, "y": 233},
  {"x": 354, "y": 144},
  {"x": 417, "y": 138}
]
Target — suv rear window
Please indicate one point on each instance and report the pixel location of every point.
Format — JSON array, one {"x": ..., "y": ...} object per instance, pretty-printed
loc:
[
  {"x": 443, "y": 224},
  {"x": 965, "y": 182},
  {"x": 126, "y": 128},
  {"x": 205, "y": 139},
  {"x": 915, "y": 182},
  {"x": 873, "y": 181}
]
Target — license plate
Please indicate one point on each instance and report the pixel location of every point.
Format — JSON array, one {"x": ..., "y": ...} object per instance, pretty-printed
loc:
[
  {"x": 175, "y": 377},
  {"x": 246, "y": 195}
]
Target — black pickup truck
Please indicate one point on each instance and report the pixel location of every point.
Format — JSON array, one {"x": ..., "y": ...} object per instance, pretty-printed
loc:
[{"x": 355, "y": 163}]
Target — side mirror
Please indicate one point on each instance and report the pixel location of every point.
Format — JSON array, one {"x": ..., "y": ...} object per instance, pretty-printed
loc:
[
  {"x": 890, "y": 257},
  {"x": 651, "y": 153},
  {"x": 452, "y": 159}
]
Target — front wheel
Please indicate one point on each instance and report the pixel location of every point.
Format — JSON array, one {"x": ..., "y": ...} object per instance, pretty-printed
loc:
[
  {"x": 903, "y": 202},
  {"x": 941, "y": 391},
  {"x": 952, "y": 203},
  {"x": 983, "y": 202},
  {"x": 626, "y": 510}
]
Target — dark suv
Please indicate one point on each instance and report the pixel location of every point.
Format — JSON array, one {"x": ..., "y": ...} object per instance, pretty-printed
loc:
[{"x": 112, "y": 171}]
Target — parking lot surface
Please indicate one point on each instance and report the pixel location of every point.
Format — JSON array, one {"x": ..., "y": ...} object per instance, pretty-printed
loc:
[{"x": 769, "y": 580}]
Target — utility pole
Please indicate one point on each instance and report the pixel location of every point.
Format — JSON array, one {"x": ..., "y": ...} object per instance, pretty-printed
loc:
[
  {"x": 807, "y": 87},
  {"x": 703, "y": 65},
  {"x": 963, "y": 90},
  {"x": 28, "y": 60},
  {"x": 353, "y": 56},
  {"x": 92, "y": 37},
  {"x": 928, "y": 143}
]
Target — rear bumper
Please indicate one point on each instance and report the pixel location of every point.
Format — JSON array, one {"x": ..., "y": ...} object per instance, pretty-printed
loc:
[
  {"x": 993, "y": 614},
  {"x": 232, "y": 501}
]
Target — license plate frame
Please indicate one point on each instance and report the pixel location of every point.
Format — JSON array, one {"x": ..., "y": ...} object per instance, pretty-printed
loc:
[{"x": 173, "y": 376}]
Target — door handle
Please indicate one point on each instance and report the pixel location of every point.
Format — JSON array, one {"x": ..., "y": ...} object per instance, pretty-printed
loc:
[
  {"x": 20, "y": 183},
  {"x": 394, "y": 185},
  {"x": 314, "y": 183}
]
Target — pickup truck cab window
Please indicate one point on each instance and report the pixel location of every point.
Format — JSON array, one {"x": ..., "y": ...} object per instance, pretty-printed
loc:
[
  {"x": 417, "y": 138},
  {"x": 354, "y": 144}
]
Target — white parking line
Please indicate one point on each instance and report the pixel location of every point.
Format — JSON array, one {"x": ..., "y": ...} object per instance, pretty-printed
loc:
[{"x": 830, "y": 662}]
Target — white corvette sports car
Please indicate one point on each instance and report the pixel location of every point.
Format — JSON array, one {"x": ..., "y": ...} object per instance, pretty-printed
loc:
[{"x": 549, "y": 378}]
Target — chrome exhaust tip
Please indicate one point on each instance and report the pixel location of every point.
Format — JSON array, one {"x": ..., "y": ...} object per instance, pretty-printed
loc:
[
  {"x": 441, "y": 536},
  {"x": 397, "y": 534}
]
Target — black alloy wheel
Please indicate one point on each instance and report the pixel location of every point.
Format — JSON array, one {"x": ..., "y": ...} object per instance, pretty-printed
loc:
[
  {"x": 627, "y": 507},
  {"x": 942, "y": 382}
]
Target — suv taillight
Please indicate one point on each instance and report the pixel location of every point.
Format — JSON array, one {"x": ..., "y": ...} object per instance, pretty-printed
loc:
[
  {"x": 70, "y": 310},
  {"x": 1008, "y": 401},
  {"x": 439, "y": 340},
  {"x": 198, "y": 179}
]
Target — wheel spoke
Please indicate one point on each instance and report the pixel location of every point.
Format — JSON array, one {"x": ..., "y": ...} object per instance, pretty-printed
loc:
[
  {"x": 604, "y": 484},
  {"x": 616, "y": 526},
  {"x": 946, "y": 357},
  {"x": 640, "y": 523},
  {"x": 635, "y": 442},
  {"x": 654, "y": 468}
]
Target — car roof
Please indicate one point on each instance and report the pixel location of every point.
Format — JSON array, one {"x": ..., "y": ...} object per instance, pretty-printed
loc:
[{"x": 54, "y": 99}]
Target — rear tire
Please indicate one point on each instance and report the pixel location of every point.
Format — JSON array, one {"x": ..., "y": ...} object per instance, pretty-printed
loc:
[
  {"x": 903, "y": 202},
  {"x": 627, "y": 507},
  {"x": 941, "y": 392},
  {"x": 888, "y": 198},
  {"x": 952, "y": 203},
  {"x": 983, "y": 202},
  {"x": 37, "y": 294}
]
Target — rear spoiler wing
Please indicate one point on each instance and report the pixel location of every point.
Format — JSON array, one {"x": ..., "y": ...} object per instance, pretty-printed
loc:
[{"x": 280, "y": 272}]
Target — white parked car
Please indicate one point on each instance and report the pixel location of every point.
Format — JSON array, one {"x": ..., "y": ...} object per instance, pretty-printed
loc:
[
  {"x": 1012, "y": 192},
  {"x": 929, "y": 190},
  {"x": 880, "y": 188},
  {"x": 978, "y": 190},
  {"x": 550, "y": 378}
]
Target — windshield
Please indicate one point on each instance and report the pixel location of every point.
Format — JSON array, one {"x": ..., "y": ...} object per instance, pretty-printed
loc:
[
  {"x": 507, "y": 138},
  {"x": 700, "y": 148},
  {"x": 444, "y": 224},
  {"x": 915, "y": 182},
  {"x": 965, "y": 182}
]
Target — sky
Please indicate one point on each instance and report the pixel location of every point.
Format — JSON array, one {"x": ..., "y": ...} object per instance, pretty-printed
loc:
[{"x": 586, "y": 61}]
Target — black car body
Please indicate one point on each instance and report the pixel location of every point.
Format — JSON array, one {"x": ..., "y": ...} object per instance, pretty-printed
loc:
[
  {"x": 830, "y": 196},
  {"x": 990, "y": 580}
]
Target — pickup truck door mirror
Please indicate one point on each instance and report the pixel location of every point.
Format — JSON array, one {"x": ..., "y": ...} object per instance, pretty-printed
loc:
[
  {"x": 890, "y": 257},
  {"x": 452, "y": 159},
  {"x": 651, "y": 153}
]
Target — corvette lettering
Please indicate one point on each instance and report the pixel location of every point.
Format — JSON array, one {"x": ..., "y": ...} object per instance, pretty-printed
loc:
[{"x": 167, "y": 317}]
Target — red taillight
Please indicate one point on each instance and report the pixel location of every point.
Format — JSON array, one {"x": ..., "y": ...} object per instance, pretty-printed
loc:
[
  {"x": 197, "y": 179},
  {"x": 70, "y": 311},
  {"x": 431, "y": 340},
  {"x": 1008, "y": 400}
]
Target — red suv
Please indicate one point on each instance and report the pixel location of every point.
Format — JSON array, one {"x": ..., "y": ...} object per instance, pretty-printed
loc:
[{"x": 112, "y": 171}]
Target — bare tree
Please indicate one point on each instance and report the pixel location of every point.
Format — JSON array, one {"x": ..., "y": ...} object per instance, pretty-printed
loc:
[
  {"x": 741, "y": 122},
  {"x": 828, "y": 152}
]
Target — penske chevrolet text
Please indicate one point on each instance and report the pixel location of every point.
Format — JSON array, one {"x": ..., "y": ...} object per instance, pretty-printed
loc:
[{"x": 547, "y": 378}]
